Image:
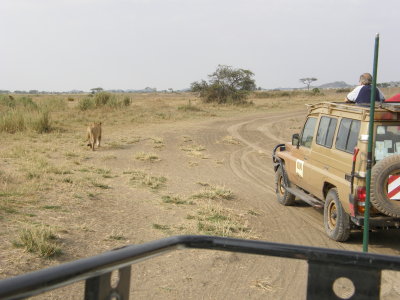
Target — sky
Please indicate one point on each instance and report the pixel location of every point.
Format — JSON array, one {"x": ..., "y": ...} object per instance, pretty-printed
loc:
[{"x": 61, "y": 45}]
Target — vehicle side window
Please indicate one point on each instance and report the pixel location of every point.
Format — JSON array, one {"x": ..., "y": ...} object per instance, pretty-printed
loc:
[
  {"x": 347, "y": 136},
  {"x": 308, "y": 132},
  {"x": 326, "y": 130}
]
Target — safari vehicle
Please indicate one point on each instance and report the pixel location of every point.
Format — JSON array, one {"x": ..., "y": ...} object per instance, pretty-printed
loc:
[{"x": 325, "y": 165}]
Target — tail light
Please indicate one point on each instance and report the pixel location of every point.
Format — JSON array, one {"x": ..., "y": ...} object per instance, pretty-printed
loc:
[
  {"x": 361, "y": 196},
  {"x": 386, "y": 116}
]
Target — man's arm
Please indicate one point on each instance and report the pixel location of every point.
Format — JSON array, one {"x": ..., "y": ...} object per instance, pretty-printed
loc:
[
  {"x": 381, "y": 96},
  {"x": 352, "y": 96}
]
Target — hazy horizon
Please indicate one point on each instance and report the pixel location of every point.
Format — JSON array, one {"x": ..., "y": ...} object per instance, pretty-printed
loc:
[{"x": 64, "y": 45}]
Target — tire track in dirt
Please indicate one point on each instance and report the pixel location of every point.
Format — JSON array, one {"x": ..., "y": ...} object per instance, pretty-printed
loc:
[
  {"x": 240, "y": 162},
  {"x": 252, "y": 164},
  {"x": 247, "y": 169},
  {"x": 253, "y": 184}
]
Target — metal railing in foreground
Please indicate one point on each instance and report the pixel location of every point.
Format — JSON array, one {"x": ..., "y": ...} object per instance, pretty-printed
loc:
[{"x": 324, "y": 267}]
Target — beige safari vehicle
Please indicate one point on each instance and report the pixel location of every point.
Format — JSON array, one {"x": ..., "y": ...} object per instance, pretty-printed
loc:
[{"x": 325, "y": 165}]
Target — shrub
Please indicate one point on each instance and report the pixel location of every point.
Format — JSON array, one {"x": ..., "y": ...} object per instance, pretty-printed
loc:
[
  {"x": 17, "y": 120},
  {"x": 343, "y": 90},
  {"x": 8, "y": 101},
  {"x": 86, "y": 103},
  {"x": 127, "y": 101},
  {"x": 12, "y": 121},
  {"x": 25, "y": 102},
  {"x": 315, "y": 91},
  {"x": 275, "y": 94},
  {"x": 53, "y": 104},
  {"x": 226, "y": 85},
  {"x": 102, "y": 98},
  {"x": 42, "y": 123},
  {"x": 189, "y": 107}
]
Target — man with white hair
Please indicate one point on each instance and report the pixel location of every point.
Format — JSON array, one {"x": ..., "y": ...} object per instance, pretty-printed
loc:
[{"x": 362, "y": 93}]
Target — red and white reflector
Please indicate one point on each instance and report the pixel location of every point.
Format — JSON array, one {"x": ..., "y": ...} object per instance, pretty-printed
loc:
[{"x": 394, "y": 187}]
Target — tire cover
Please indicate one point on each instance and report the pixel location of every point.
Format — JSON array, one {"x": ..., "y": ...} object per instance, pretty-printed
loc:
[{"x": 379, "y": 185}]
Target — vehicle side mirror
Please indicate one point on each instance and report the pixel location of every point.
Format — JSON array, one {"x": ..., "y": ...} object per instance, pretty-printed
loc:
[{"x": 296, "y": 140}]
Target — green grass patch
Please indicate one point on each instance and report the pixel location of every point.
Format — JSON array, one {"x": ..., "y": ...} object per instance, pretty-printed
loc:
[
  {"x": 192, "y": 148},
  {"x": 214, "y": 193},
  {"x": 93, "y": 196},
  {"x": 161, "y": 227},
  {"x": 100, "y": 185},
  {"x": 140, "y": 178},
  {"x": 8, "y": 209},
  {"x": 39, "y": 240},
  {"x": 216, "y": 220},
  {"x": 152, "y": 157},
  {"x": 71, "y": 155},
  {"x": 115, "y": 145},
  {"x": 53, "y": 207},
  {"x": 175, "y": 200},
  {"x": 117, "y": 237},
  {"x": 102, "y": 171}
]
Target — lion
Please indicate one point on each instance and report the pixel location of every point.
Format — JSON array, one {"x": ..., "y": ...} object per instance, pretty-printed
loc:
[{"x": 94, "y": 134}]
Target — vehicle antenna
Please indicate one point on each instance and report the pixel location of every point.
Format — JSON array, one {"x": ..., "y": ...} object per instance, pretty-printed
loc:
[{"x": 370, "y": 141}]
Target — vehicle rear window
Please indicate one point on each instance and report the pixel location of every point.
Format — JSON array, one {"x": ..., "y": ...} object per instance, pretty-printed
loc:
[
  {"x": 347, "y": 136},
  {"x": 326, "y": 131},
  {"x": 387, "y": 141},
  {"x": 308, "y": 132}
]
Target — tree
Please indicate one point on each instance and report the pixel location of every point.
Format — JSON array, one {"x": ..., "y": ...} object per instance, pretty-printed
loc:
[
  {"x": 226, "y": 84},
  {"x": 96, "y": 90},
  {"x": 307, "y": 81}
]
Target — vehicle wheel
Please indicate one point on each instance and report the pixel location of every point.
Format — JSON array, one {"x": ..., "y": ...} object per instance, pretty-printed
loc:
[
  {"x": 283, "y": 196},
  {"x": 336, "y": 220},
  {"x": 379, "y": 185}
]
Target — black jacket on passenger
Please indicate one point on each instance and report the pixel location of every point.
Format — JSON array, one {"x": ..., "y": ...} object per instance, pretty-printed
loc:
[{"x": 362, "y": 95}]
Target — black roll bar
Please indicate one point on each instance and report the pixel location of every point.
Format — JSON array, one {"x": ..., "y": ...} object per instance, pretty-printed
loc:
[{"x": 324, "y": 267}]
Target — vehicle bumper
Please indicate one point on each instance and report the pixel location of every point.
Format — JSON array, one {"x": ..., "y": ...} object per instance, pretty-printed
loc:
[{"x": 378, "y": 222}]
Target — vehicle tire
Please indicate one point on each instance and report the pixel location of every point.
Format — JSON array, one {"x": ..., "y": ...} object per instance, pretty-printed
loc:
[
  {"x": 379, "y": 185},
  {"x": 336, "y": 220},
  {"x": 283, "y": 196}
]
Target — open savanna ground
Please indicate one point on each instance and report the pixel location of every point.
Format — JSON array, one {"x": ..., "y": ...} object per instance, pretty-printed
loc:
[{"x": 167, "y": 165}]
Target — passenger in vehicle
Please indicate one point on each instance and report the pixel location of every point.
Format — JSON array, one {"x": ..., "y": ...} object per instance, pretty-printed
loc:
[{"x": 361, "y": 95}]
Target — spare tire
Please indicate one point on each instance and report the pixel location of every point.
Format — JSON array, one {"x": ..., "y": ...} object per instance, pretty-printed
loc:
[{"x": 379, "y": 185}]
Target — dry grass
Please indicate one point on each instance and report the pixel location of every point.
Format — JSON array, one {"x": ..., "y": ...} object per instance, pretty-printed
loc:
[
  {"x": 194, "y": 150},
  {"x": 51, "y": 183},
  {"x": 151, "y": 157},
  {"x": 49, "y": 177},
  {"x": 212, "y": 218},
  {"x": 141, "y": 178},
  {"x": 230, "y": 140},
  {"x": 158, "y": 142},
  {"x": 214, "y": 193},
  {"x": 39, "y": 240},
  {"x": 174, "y": 199}
]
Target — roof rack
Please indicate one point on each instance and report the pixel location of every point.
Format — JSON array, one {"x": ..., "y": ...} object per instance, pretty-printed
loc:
[{"x": 349, "y": 107}]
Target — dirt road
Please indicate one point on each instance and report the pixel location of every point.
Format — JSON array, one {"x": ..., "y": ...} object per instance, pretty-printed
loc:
[
  {"x": 236, "y": 154},
  {"x": 247, "y": 170}
]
